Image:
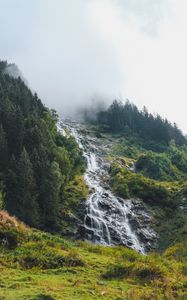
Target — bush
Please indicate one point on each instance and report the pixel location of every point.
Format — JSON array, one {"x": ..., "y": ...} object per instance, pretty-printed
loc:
[
  {"x": 178, "y": 156},
  {"x": 43, "y": 297},
  {"x": 11, "y": 238},
  {"x": 122, "y": 190},
  {"x": 157, "y": 166},
  {"x": 177, "y": 251},
  {"x": 149, "y": 268},
  {"x": 73, "y": 259},
  {"x": 130, "y": 255},
  {"x": 12, "y": 231},
  {"x": 141, "y": 270},
  {"x": 128, "y": 184},
  {"x": 42, "y": 256}
]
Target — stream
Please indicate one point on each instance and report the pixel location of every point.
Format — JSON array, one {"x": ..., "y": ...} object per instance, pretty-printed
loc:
[{"x": 108, "y": 219}]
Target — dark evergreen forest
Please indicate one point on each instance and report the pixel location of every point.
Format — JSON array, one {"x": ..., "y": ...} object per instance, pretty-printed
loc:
[
  {"x": 36, "y": 162},
  {"x": 121, "y": 117}
]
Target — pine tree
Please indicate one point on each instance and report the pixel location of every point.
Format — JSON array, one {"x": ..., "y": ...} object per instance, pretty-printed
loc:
[
  {"x": 3, "y": 149},
  {"x": 21, "y": 199},
  {"x": 27, "y": 190},
  {"x": 52, "y": 197},
  {"x": 11, "y": 186}
]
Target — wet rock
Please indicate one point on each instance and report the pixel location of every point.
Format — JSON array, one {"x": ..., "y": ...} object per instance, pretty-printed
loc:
[
  {"x": 105, "y": 195},
  {"x": 135, "y": 224},
  {"x": 109, "y": 219},
  {"x": 83, "y": 231},
  {"x": 88, "y": 221},
  {"x": 98, "y": 135},
  {"x": 129, "y": 243}
]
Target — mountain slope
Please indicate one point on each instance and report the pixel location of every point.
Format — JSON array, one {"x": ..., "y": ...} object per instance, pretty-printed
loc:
[
  {"x": 151, "y": 170},
  {"x": 41, "y": 183},
  {"x": 37, "y": 265},
  {"x": 37, "y": 164}
]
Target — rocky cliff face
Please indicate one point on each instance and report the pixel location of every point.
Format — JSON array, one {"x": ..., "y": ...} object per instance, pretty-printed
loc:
[{"x": 105, "y": 218}]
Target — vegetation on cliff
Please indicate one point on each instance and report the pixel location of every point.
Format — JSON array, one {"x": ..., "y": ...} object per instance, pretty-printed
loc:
[
  {"x": 142, "y": 166},
  {"x": 37, "y": 164}
]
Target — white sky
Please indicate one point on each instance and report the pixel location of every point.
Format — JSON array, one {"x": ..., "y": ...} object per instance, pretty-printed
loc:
[{"x": 71, "y": 50}]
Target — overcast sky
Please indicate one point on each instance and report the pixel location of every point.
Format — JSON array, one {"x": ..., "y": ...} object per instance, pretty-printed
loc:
[{"x": 72, "y": 51}]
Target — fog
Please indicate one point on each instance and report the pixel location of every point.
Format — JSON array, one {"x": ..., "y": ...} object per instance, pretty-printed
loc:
[{"x": 74, "y": 52}]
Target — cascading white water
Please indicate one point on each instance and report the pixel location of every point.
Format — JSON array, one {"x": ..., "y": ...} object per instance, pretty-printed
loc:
[{"x": 106, "y": 216}]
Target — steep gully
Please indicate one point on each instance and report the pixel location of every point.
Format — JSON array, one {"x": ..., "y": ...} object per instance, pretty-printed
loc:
[{"x": 107, "y": 219}]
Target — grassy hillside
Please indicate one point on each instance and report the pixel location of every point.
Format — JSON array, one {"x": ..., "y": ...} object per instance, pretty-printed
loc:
[{"x": 38, "y": 265}]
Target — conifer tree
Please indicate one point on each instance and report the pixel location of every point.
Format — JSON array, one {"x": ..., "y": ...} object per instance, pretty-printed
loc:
[
  {"x": 21, "y": 194},
  {"x": 52, "y": 193},
  {"x": 3, "y": 149},
  {"x": 27, "y": 190}
]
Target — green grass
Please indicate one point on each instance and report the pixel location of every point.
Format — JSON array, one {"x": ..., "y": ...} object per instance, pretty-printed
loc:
[{"x": 45, "y": 266}]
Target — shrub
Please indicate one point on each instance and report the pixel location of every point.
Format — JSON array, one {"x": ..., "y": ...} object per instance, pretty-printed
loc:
[
  {"x": 130, "y": 255},
  {"x": 178, "y": 156},
  {"x": 152, "y": 267},
  {"x": 136, "y": 185},
  {"x": 40, "y": 255},
  {"x": 178, "y": 252},
  {"x": 157, "y": 166},
  {"x": 43, "y": 297},
  {"x": 122, "y": 190},
  {"x": 12, "y": 231},
  {"x": 73, "y": 259},
  {"x": 150, "y": 270},
  {"x": 50, "y": 239},
  {"x": 141, "y": 270}
]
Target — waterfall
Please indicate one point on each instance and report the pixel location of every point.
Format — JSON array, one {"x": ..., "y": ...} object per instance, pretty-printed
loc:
[
  {"x": 106, "y": 218},
  {"x": 101, "y": 217}
]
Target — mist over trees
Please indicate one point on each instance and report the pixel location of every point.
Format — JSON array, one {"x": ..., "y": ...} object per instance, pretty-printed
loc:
[
  {"x": 121, "y": 117},
  {"x": 36, "y": 162}
]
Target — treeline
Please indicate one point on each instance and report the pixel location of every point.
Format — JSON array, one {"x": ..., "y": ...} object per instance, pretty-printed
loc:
[
  {"x": 36, "y": 162},
  {"x": 121, "y": 117}
]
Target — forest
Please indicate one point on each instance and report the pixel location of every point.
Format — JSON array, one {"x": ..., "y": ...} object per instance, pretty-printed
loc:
[
  {"x": 125, "y": 117},
  {"x": 37, "y": 164}
]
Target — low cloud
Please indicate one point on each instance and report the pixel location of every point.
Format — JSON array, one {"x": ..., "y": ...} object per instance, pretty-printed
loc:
[{"x": 72, "y": 51}]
